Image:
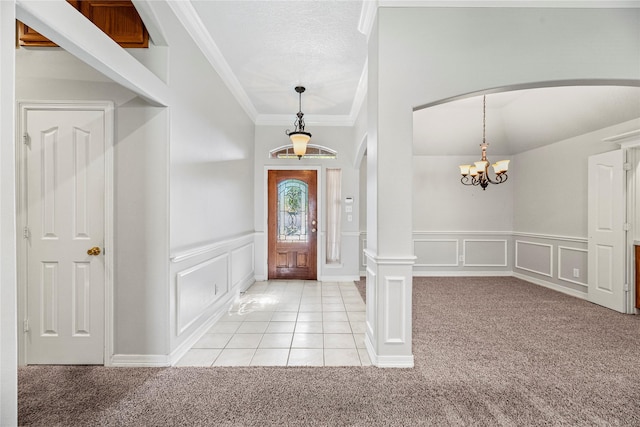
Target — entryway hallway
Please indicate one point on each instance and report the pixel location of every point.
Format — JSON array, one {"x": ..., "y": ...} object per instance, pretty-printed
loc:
[{"x": 287, "y": 323}]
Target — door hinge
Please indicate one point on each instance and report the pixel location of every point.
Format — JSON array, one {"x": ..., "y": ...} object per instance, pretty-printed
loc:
[
  {"x": 626, "y": 287},
  {"x": 26, "y": 233},
  {"x": 25, "y": 325},
  {"x": 626, "y": 226},
  {"x": 626, "y": 166},
  {"x": 26, "y": 139}
]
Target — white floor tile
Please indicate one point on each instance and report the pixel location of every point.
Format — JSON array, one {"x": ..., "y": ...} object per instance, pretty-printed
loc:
[
  {"x": 358, "y": 327},
  {"x": 284, "y": 316},
  {"x": 307, "y": 341},
  {"x": 332, "y": 300},
  {"x": 359, "y": 339},
  {"x": 310, "y": 307},
  {"x": 306, "y": 357},
  {"x": 259, "y": 316},
  {"x": 224, "y": 327},
  {"x": 270, "y": 357},
  {"x": 288, "y": 307},
  {"x": 341, "y": 357},
  {"x": 316, "y": 299},
  {"x": 252, "y": 328},
  {"x": 364, "y": 357},
  {"x": 336, "y": 328},
  {"x": 333, "y": 307},
  {"x": 280, "y": 327},
  {"x": 244, "y": 341},
  {"x": 213, "y": 341},
  {"x": 309, "y": 327},
  {"x": 276, "y": 341},
  {"x": 354, "y": 307},
  {"x": 339, "y": 341},
  {"x": 335, "y": 316},
  {"x": 315, "y": 316},
  {"x": 356, "y": 316},
  {"x": 234, "y": 357},
  {"x": 231, "y": 317},
  {"x": 199, "y": 357}
]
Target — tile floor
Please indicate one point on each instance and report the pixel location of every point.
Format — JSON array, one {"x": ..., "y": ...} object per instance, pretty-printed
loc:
[{"x": 287, "y": 323}]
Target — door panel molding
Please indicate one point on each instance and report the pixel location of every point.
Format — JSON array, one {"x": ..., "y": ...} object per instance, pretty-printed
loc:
[{"x": 107, "y": 108}]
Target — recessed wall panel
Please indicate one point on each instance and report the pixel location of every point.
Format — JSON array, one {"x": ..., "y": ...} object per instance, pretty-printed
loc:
[
  {"x": 534, "y": 257},
  {"x": 81, "y": 141},
  {"x": 81, "y": 299},
  {"x": 48, "y": 185},
  {"x": 371, "y": 302},
  {"x": 198, "y": 287},
  {"x": 485, "y": 253},
  {"x": 242, "y": 263},
  {"x": 573, "y": 265},
  {"x": 394, "y": 310},
  {"x": 49, "y": 299},
  {"x": 436, "y": 252}
]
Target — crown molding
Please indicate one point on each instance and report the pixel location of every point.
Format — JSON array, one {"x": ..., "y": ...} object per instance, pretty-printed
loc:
[{"x": 194, "y": 26}]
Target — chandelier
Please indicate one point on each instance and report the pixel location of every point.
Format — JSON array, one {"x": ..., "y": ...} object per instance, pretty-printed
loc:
[
  {"x": 299, "y": 138},
  {"x": 478, "y": 173}
]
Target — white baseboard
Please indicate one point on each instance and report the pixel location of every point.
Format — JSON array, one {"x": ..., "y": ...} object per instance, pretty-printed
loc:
[
  {"x": 261, "y": 278},
  {"x": 246, "y": 283},
  {"x": 139, "y": 360},
  {"x": 553, "y": 286},
  {"x": 464, "y": 273},
  {"x": 387, "y": 361}
]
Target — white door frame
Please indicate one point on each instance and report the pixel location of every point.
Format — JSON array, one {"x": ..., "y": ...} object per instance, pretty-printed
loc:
[
  {"x": 320, "y": 212},
  {"x": 629, "y": 142},
  {"x": 108, "y": 108}
]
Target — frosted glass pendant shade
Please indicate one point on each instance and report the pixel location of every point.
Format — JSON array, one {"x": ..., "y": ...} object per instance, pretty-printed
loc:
[
  {"x": 464, "y": 169},
  {"x": 481, "y": 166},
  {"x": 473, "y": 171},
  {"x": 300, "y": 140},
  {"x": 502, "y": 166}
]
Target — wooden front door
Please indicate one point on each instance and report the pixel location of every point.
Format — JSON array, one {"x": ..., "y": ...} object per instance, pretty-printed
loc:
[{"x": 292, "y": 224}]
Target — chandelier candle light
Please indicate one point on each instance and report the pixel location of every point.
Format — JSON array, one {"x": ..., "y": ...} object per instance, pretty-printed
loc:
[
  {"x": 299, "y": 138},
  {"x": 478, "y": 173}
]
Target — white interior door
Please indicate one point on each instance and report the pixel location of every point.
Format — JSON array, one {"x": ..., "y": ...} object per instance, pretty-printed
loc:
[
  {"x": 65, "y": 217},
  {"x": 606, "y": 217}
]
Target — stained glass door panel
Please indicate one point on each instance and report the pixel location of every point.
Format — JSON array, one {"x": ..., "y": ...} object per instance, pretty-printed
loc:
[{"x": 292, "y": 224}]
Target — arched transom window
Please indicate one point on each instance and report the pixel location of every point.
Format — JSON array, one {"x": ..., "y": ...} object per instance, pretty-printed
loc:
[{"x": 313, "y": 152}]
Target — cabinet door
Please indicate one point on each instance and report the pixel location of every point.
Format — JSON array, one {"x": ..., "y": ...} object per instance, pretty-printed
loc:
[
  {"x": 118, "y": 19},
  {"x": 27, "y": 36}
]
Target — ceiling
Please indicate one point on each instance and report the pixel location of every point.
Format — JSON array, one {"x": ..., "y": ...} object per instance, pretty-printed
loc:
[{"x": 271, "y": 46}]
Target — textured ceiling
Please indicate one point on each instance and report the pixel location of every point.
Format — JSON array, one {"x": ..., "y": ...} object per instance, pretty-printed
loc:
[{"x": 271, "y": 46}]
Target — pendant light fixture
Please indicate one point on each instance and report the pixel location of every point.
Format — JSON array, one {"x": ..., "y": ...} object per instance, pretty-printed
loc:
[
  {"x": 299, "y": 138},
  {"x": 478, "y": 173}
]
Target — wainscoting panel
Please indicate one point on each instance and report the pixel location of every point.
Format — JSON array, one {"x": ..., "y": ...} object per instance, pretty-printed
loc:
[
  {"x": 205, "y": 280},
  {"x": 394, "y": 329},
  {"x": 242, "y": 264},
  {"x": 371, "y": 302},
  {"x": 199, "y": 287},
  {"x": 485, "y": 253},
  {"x": 534, "y": 257},
  {"x": 436, "y": 252},
  {"x": 573, "y": 265}
]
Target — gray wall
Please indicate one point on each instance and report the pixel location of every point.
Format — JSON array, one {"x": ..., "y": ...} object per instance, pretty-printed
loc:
[
  {"x": 140, "y": 191},
  {"x": 340, "y": 139}
]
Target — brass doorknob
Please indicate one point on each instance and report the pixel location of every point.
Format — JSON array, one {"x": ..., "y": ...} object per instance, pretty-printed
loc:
[
  {"x": 94, "y": 251},
  {"x": 313, "y": 230}
]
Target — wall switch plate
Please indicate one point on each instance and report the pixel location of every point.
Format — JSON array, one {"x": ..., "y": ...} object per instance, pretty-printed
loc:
[
  {"x": 576, "y": 272},
  {"x": 349, "y": 218},
  {"x": 348, "y": 208}
]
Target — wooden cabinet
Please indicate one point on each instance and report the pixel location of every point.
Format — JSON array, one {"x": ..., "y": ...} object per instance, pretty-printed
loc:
[{"x": 116, "y": 18}]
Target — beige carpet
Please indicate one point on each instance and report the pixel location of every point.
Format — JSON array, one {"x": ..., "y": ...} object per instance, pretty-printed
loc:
[{"x": 489, "y": 351}]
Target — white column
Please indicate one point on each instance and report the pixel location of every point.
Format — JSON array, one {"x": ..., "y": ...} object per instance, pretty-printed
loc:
[
  {"x": 389, "y": 249},
  {"x": 8, "y": 302}
]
